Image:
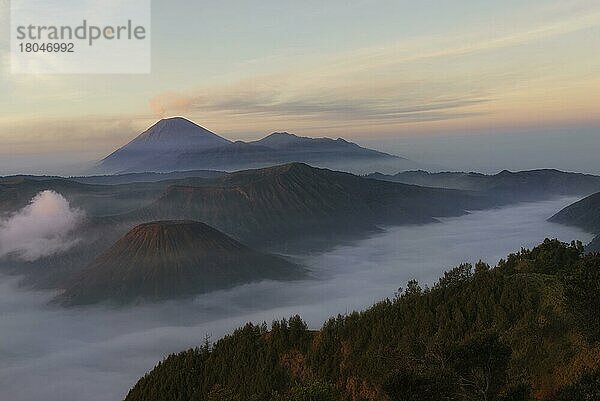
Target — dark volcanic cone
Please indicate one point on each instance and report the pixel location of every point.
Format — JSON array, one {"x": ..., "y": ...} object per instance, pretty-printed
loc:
[{"x": 172, "y": 259}]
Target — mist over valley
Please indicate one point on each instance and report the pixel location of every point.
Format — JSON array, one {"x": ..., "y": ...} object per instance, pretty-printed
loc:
[{"x": 98, "y": 352}]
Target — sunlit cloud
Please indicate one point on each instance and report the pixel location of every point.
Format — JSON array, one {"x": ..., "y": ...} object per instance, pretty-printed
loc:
[
  {"x": 430, "y": 79},
  {"x": 530, "y": 65},
  {"x": 170, "y": 101},
  {"x": 66, "y": 134}
]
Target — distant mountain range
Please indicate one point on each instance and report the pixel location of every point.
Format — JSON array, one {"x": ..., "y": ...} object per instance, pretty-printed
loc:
[
  {"x": 96, "y": 200},
  {"x": 506, "y": 186},
  {"x": 177, "y": 144},
  {"x": 509, "y": 187},
  {"x": 172, "y": 259},
  {"x": 128, "y": 178},
  {"x": 584, "y": 214},
  {"x": 290, "y": 208}
]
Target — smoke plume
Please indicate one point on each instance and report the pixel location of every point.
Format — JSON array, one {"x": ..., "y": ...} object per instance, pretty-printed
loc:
[{"x": 42, "y": 228}]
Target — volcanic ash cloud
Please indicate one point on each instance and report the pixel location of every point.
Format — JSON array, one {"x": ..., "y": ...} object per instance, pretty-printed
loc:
[{"x": 42, "y": 228}]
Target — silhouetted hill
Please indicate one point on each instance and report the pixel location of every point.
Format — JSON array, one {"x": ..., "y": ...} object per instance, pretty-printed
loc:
[
  {"x": 119, "y": 179},
  {"x": 507, "y": 186},
  {"x": 281, "y": 148},
  {"x": 16, "y": 192},
  {"x": 453, "y": 180},
  {"x": 295, "y": 143},
  {"x": 177, "y": 144},
  {"x": 172, "y": 259},
  {"x": 296, "y": 201},
  {"x": 526, "y": 330},
  {"x": 584, "y": 214},
  {"x": 236, "y": 156},
  {"x": 594, "y": 246}
]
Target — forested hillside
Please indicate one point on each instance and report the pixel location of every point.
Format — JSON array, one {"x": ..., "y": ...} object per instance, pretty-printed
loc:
[{"x": 527, "y": 329}]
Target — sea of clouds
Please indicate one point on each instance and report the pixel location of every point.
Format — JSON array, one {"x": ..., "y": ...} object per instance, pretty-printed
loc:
[{"x": 97, "y": 354}]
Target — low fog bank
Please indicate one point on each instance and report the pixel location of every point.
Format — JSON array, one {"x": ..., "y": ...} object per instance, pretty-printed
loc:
[{"x": 97, "y": 354}]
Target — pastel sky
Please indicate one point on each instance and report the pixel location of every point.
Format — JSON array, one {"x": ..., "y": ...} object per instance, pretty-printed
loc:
[{"x": 361, "y": 69}]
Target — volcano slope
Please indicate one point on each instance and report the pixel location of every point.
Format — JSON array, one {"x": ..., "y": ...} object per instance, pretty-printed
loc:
[
  {"x": 172, "y": 259},
  {"x": 295, "y": 202}
]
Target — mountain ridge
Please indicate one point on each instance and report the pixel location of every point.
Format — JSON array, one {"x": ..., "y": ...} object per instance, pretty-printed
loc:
[
  {"x": 507, "y": 186},
  {"x": 176, "y": 144},
  {"x": 296, "y": 200},
  {"x": 584, "y": 214}
]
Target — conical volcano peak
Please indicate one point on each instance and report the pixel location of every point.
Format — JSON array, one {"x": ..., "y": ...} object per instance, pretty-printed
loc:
[
  {"x": 169, "y": 136},
  {"x": 174, "y": 125},
  {"x": 177, "y": 132},
  {"x": 173, "y": 259},
  {"x": 177, "y": 123},
  {"x": 178, "y": 235},
  {"x": 170, "y": 227}
]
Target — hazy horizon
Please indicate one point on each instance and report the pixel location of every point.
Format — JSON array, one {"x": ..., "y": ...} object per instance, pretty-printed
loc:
[
  {"x": 569, "y": 149},
  {"x": 412, "y": 70}
]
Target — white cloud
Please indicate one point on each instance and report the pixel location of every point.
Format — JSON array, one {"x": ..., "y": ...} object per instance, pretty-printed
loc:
[{"x": 42, "y": 228}]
